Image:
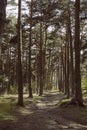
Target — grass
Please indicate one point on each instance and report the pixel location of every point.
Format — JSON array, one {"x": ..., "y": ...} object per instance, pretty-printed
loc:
[
  {"x": 6, "y": 108},
  {"x": 84, "y": 87},
  {"x": 8, "y": 105}
]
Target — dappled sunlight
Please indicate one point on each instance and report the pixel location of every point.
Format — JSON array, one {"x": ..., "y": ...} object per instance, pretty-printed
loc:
[
  {"x": 48, "y": 100},
  {"x": 6, "y": 116},
  {"x": 77, "y": 126},
  {"x": 44, "y": 113},
  {"x": 24, "y": 111},
  {"x": 64, "y": 124},
  {"x": 43, "y": 65}
]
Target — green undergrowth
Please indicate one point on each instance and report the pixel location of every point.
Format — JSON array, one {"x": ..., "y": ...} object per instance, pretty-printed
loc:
[
  {"x": 7, "y": 105},
  {"x": 28, "y": 101},
  {"x": 63, "y": 102},
  {"x": 84, "y": 89}
]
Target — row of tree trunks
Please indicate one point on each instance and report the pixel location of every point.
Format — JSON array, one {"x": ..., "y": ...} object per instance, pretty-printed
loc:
[
  {"x": 65, "y": 62},
  {"x": 72, "y": 76}
]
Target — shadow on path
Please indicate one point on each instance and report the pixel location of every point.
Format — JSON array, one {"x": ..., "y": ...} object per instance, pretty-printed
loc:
[{"x": 42, "y": 114}]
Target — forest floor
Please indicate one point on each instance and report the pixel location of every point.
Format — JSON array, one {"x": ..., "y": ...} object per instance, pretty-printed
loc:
[{"x": 44, "y": 113}]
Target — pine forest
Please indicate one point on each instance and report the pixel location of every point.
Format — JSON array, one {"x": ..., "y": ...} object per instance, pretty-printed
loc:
[{"x": 43, "y": 64}]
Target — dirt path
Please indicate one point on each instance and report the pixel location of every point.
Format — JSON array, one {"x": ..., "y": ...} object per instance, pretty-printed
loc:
[{"x": 42, "y": 114}]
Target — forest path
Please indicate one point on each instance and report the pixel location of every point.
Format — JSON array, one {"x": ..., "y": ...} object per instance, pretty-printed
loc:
[{"x": 42, "y": 114}]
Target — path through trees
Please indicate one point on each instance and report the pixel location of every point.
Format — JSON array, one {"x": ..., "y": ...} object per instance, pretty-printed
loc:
[{"x": 44, "y": 114}]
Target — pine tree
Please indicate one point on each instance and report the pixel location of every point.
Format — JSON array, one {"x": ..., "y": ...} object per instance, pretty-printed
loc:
[
  {"x": 78, "y": 91},
  {"x": 19, "y": 62}
]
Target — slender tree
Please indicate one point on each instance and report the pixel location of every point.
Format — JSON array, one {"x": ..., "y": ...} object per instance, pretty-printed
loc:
[
  {"x": 78, "y": 91},
  {"x": 30, "y": 44},
  {"x": 3, "y": 4},
  {"x": 40, "y": 61},
  {"x": 19, "y": 64},
  {"x": 67, "y": 58},
  {"x": 71, "y": 56}
]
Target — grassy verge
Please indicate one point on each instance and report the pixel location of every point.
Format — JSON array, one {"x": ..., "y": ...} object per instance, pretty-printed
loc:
[{"x": 7, "y": 105}]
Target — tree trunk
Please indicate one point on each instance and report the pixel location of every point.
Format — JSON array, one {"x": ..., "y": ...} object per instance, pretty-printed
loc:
[
  {"x": 30, "y": 43},
  {"x": 19, "y": 64},
  {"x": 41, "y": 68},
  {"x": 78, "y": 91},
  {"x": 3, "y": 4},
  {"x": 67, "y": 56},
  {"x": 71, "y": 57}
]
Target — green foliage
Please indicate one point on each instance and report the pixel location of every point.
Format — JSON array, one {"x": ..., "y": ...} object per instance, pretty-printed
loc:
[
  {"x": 13, "y": 89},
  {"x": 84, "y": 83},
  {"x": 63, "y": 102},
  {"x": 84, "y": 89},
  {"x": 12, "y": 2}
]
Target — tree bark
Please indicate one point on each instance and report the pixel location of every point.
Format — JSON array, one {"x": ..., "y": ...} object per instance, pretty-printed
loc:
[
  {"x": 78, "y": 91},
  {"x": 19, "y": 64},
  {"x": 41, "y": 68},
  {"x": 30, "y": 43},
  {"x": 3, "y": 4},
  {"x": 71, "y": 57}
]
